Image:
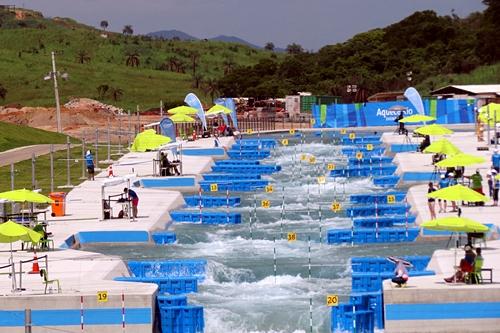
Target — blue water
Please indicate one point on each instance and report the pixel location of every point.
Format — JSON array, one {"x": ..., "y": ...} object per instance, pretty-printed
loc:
[{"x": 242, "y": 292}]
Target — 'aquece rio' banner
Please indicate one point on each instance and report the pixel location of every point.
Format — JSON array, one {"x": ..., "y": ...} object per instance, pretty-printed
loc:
[{"x": 446, "y": 111}]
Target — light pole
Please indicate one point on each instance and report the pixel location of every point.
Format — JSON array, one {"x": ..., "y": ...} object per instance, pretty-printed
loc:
[{"x": 53, "y": 76}]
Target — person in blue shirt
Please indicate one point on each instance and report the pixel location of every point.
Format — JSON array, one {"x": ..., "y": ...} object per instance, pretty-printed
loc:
[
  {"x": 89, "y": 160},
  {"x": 134, "y": 198}
]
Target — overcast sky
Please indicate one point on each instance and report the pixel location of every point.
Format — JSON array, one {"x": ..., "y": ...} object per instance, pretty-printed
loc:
[{"x": 311, "y": 23}]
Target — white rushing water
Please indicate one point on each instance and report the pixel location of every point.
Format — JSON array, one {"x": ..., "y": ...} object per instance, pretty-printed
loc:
[{"x": 241, "y": 292}]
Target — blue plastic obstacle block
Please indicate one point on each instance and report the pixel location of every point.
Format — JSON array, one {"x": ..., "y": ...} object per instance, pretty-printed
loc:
[
  {"x": 259, "y": 169},
  {"x": 382, "y": 265},
  {"x": 265, "y": 143},
  {"x": 230, "y": 176},
  {"x": 371, "y": 301},
  {"x": 363, "y": 236},
  {"x": 211, "y": 201},
  {"x": 385, "y": 181},
  {"x": 361, "y": 139},
  {"x": 352, "y": 151},
  {"x": 225, "y": 162},
  {"x": 164, "y": 237},
  {"x": 173, "y": 286},
  {"x": 206, "y": 217},
  {"x": 364, "y": 170},
  {"x": 182, "y": 319},
  {"x": 381, "y": 198},
  {"x": 248, "y": 154},
  {"x": 405, "y": 147},
  {"x": 383, "y": 221},
  {"x": 380, "y": 210},
  {"x": 169, "y": 268},
  {"x": 234, "y": 185},
  {"x": 370, "y": 160},
  {"x": 171, "y": 300},
  {"x": 495, "y": 160},
  {"x": 344, "y": 319},
  {"x": 248, "y": 146},
  {"x": 367, "y": 282}
]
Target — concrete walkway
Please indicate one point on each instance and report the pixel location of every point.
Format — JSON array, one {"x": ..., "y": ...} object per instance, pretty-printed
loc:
[{"x": 24, "y": 153}]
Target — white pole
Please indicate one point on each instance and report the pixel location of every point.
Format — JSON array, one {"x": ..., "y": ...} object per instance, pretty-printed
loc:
[{"x": 56, "y": 93}]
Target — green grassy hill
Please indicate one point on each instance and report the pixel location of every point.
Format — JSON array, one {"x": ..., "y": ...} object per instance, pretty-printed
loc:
[
  {"x": 13, "y": 136},
  {"x": 165, "y": 69}
]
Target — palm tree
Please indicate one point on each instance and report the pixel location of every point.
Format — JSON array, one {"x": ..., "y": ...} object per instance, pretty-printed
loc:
[
  {"x": 197, "y": 80},
  {"x": 102, "y": 90},
  {"x": 294, "y": 48},
  {"x": 3, "y": 92},
  {"x": 132, "y": 59},
  {"x": 104, "y": 25},
  {"x": 116, "y": 93},
  {"x": 82, "y": 57},
  {"x": 173, "y": 63},
  {"x": 269, "y": 46},
  {"x": 228, "y": 66},
  {"x": 127, "y": 30},
  {"x": 211, "y": 87},
  {"x": 195, "y": 56}
]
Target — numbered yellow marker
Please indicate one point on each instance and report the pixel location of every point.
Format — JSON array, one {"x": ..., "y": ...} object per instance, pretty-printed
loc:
[
  {"x": 369, "y": 147},
  {"x": 291, "y": 236},
  {"x": 332, "y": 300},
  {"x": 352, "y": 136},
  {"x": 303, "y": 157},
  {"x": 391, "y": 198},
  {"x": 269, "y": 189},
  {"x": 265, "y": 204},
  {"x": 292, "y": 131},
  {"x": 284, "y": 142},
  {"x": 321, "y": 179},
  {"x": 102, "y": 296},
  {"x": 313, "y": 121},
  {"x": 330, "y": 166},
  {"x": 336, "y": 207},
  {"x": 214, "y": 187},
  {"x": 249, "y": 131},
  {"x": 343, "y": 131},
  {"x": 312, "y": 160},
  {"x": 359, "y": 155}
]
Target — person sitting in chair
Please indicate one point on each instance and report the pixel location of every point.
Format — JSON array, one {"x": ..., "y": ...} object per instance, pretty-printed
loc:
[
  {"x": 425, "y": 143},
  {"x": 466, "y": 266}
]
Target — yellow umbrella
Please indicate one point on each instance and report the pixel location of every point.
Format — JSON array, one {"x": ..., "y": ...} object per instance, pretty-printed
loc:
[
  {"x": 24, "y": 195},
  {"x": 442, "y": 146},
  {"x": 460, "y": 160},
  {"x": 458, "y": 193},
  {"x": 183, "y": 109},
  {"x": 433, "y": 129},
  {"x": 182, "y": 118},
  {"x": 490, "y": 112},
  {"x": 497, "y": 176},
  {"x": 218, "y": 109},
  {"x": 455, "y": 224},
  {"x": 417, "y": 118},
  {"x": 149, "y": 140}
]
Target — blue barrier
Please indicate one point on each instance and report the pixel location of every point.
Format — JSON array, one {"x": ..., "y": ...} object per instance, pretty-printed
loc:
[
  {"x": 354, "y": 150},
  {"x": 403, "y": 148},
  {"x": 363, "y": 236},
  {"x": 211, "y": 201},
  {"x": 234, "y": 185},
  {"x": 173, "y": 286},
  {"x": 381, "y": 198},
  {"x": 171, "y": 300},
  {"x": 383, "y": 221},
  {"x": 169, "y": 268},
  {"x": 248, "y": 154},
  {"x": 164, "y": 237},
  {"x": 382, "y": 265},
  {"x": 259, "y": 169},
  {"x": 371, "y": 301},
  {"x": 230, "y": 176},
  {"x": 363, "y": 282},
  {"x": 343, "y": 318},
  {"x": 380, "y": 210},
  {"x": 206, "y": 217},
  {"x": 364, "y": 171},
  {"x": 373, "y": 139},
  {"x": 385, "y": 181},
  {"x": 266, "y": 143},
  {"x": 182, "y": 319},
  {"x": 224, "y": 162},
  {"x": 370, "y": 160},
  {"x": 246, "y": 146},
  {"x": 495, "y": 160}
]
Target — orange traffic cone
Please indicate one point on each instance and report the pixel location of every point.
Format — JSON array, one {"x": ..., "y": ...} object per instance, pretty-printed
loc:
[
  {"x": 36, "y": 268},
  {"x": 110, "y": 172}
]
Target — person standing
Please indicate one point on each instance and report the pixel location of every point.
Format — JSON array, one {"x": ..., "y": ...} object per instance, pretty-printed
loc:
[
  {"x": 89, "y": 160},
  {"x": 443, "y": 183},
  {"x": 431, "y": 202},
  {"x": 134, "y": 198},
  {"x": 401, "y": 128},
  {"x": 496, "y": 187}
]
